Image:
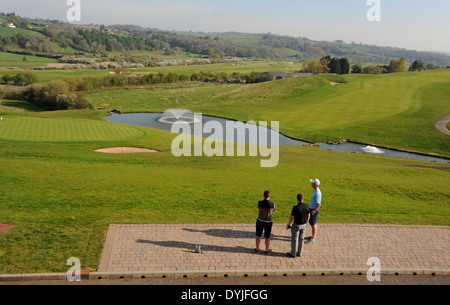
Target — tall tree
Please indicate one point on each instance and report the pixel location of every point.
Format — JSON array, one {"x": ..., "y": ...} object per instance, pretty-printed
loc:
[
  {"x": 345, "y": 65},
  {"x": 397, "y": 65}
]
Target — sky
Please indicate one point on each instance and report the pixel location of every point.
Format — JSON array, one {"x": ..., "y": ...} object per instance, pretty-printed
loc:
[{"x": 411, "y": 24}]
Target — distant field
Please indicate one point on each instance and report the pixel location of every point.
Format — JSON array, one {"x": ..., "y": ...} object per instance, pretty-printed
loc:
[
  {"x": 245, "y": 68},
  {"x": 241, "y": 67},
  {"x": 8, "y": 60},
  {"x": 9, "y": 32},
  {"x": 178, "y": 55}
]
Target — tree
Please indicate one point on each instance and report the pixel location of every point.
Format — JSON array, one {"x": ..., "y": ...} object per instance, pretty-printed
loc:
[
  {"x": 418, "y": 65},
  {"x": 431, "y": 67},
  {"x": 316, "y": 66},
  {"x": 55, "y": 95},
  {"x": 372, "y": 69},
  {"x": 25, "y": 79},
  {"x": 356, "y": 69},
  {"x": 334, "y": 66},
  {"x": 397, "y": 65},
  {"x": 344, "y": 65},
  {"x": 6, "y": 78}
]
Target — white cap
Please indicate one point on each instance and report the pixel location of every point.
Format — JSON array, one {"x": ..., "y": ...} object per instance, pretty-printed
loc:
[{"x": 315, "y": 181}]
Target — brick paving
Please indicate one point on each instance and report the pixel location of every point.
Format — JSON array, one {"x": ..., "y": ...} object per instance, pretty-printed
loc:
[{"x": 157, "y": 248}]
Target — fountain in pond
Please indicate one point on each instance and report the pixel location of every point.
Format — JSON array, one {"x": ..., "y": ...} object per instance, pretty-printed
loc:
[
  {"x": 178, "y": 116},
  {"x": 372, "y": 150}
]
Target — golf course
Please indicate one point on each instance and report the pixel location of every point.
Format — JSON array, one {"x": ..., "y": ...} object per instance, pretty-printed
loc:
[{"x": 61, "y": 195}]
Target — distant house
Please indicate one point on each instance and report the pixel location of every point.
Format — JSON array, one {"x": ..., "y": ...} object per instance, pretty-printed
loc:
[
  {"x": 11, "y": 25},
  {"x": 280, "y": 75}
]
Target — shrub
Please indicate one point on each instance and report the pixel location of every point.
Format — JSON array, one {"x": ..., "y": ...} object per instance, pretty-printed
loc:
[
  {"x": 55, "y": 96},
  {"x": 25, "y": 79},
  {"x": 372, "y": 70},
  {"x": 6, "y": 78}
]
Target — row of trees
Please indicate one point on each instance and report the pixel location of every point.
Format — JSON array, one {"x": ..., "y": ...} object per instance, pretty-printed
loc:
[
  {"x": 396, "y": 65},
  {"x": 421, "y": 65},
  {"x": 327, "y": 65},
  {"x": 342, "y": 66},
  {"x": 55, "y": 95},
  {"x": 123, "y": 78},
  {"x": 33, "y": 42},
  {"x": 154, "y": 40},
  {"x": 20, "y": 79}
]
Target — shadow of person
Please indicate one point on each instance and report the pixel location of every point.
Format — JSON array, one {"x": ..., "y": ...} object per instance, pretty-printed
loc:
[
  {"x": 188, "y": 247},
  {"x": 228, "y": 233}
]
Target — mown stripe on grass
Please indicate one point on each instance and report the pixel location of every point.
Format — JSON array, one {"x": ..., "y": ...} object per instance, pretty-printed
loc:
[{"x": 34, "y": 129}]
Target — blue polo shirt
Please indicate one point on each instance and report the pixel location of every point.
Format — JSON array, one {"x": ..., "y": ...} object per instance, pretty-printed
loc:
[{"x": 315, "y": 199}]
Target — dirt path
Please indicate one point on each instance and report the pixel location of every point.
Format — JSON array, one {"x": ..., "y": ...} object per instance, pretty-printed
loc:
[
  {"x": 5, "y": 228},
  {"x": 442, "y": 125}
]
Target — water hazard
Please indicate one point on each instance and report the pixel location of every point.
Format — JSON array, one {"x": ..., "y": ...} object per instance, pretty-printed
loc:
[{"x": 164, "y": 122}]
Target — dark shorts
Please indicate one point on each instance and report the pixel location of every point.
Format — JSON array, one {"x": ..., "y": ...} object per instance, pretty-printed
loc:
[
  {"x": 263, "y": 226},
  {"x": 314, "y": 218}
]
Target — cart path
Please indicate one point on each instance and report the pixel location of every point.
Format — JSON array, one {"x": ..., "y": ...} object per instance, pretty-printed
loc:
[
  {"x": 228, "y": 248},
  {"x": 442, "y": 125}
]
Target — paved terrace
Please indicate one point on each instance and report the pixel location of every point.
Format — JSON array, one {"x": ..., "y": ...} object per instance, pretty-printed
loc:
[{"x": 229, "y": 249}]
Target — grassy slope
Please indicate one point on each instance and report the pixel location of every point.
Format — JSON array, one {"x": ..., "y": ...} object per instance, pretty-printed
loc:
[
  {"x": 62, "y": 196},
  {"x": 16, "y": 60},
  {"x": 397, "y": 110}
]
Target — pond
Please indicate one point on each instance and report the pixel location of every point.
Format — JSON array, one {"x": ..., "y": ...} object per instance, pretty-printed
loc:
[{"x": 153, "y": 120}]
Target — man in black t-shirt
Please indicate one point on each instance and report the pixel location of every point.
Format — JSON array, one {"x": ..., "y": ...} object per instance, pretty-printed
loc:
[
  {"x": 264, "y": 222},
  {"x": 300, "y": 216}
]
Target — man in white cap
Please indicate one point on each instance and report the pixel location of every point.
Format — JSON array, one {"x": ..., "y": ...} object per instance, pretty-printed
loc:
[{"x": 316, "y": 202}]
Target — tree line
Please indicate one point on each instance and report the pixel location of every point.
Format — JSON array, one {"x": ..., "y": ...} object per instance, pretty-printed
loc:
[{"x": 327, "y": 64}]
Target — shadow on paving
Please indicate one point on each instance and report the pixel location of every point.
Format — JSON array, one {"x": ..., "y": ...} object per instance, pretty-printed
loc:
[
  {"x": 207, "y": 248},
  {"x": 227, "y": 233}
]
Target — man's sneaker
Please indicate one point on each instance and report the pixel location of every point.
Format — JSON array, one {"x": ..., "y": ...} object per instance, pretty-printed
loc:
[
  {"x": 308, "y": 238},
  {"x": 310, "y": 241}
]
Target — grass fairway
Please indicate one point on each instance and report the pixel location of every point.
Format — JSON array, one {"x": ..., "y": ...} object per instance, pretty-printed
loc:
[
  {"x": 396, "y": 110},
  {"x": 62, "y": 196}
]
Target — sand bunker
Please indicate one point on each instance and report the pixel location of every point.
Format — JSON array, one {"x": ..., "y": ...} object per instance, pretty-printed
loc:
[
  {"x": 334, "y": 84},
  {"x": 126, "y": 150}
]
